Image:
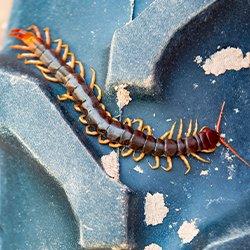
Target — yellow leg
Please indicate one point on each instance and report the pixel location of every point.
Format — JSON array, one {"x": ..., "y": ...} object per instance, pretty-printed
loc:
[
  {"x": 179, "y": 135},
  {"x": 83, "y": 120},
  {"x": 195, "y": 127},
  {"x": 115, "y": 145},
  {"x": 43, "y": 69},
  {"x": 36, "y": 30},
  {"x": 59, "y": 46},
  {"x": 20, "y": 47},
  {"x": 128, "y": 121},
  {"x": 157, "y": 163},
  {"x": 72, "y": 60},
  {"x": 169, "y": 164},
  {"x": 66, "y": 51},
  {"x": 139, "y": 157},
  {"x": 126, "y": 153},
  {"x": 102, "y": 106},
  {"x": 165, "y": 135},
  {"x": 82, "y": 71},
  {"x": 47, "y": 37},
  {"x": 94, "y": 85},
  {"x": 103, "y": 141},
  {"x": 26, "y": 55},
  {"x": 208, "y": 150},
  {"x": 148, "y": 129},
  {"x": 90, "y": 132},
  {"x": 199, "y": 158},
  {"x": 140, "y": 123},
  {"x": 49, "y": 78},
  {"x": 189, "y": 129},
  {"x": 65, "y": 97},
  {"x": 185, "y": 161},
  {"x": 77, "y": 107},
  {"x": 170, "y": 135},
  {"x": 36, "y": 62},
  {"x": 93, "y": 78}
]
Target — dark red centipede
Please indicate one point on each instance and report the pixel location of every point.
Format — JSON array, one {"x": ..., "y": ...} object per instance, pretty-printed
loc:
[{"x": 59, "y": 65}]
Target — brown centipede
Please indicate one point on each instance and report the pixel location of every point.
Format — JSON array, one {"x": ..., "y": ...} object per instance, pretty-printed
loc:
[{"x": 60, "y": 65}]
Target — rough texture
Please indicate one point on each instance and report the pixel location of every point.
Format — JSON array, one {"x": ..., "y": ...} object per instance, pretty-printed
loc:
[
  {"x": 137, "y": 46},
  {"x": 86, "y": 186}
]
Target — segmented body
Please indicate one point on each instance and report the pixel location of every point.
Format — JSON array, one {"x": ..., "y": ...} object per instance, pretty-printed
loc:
[{"x": 56, "y": 67}]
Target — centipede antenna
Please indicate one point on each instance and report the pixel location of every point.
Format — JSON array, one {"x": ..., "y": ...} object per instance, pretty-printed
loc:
[
  {"x": 218, "y": 124},
  {"x": 227, "y": 145},
  {"x": 223, "y": 140}
]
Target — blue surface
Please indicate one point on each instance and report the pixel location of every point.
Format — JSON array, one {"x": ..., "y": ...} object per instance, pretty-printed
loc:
[{"x": 221, "y": 206}]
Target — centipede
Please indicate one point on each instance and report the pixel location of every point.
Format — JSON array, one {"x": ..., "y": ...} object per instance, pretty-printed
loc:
[{"x": 59, "y": 65}]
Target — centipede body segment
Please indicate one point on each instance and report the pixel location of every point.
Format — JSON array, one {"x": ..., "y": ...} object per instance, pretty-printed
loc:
[{"x": 59, "y": 65}]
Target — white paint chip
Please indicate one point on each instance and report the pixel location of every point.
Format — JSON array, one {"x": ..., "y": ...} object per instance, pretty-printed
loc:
[
  {"x": 153, "y": 246},
  {"x": 110, "y": 165},
  {"x": 155, "y": 209},
  {"x": 226, "y": 59},
  {"x": 198, "y": 59},
  {"x": 204, "y": 172},
  {"x": 187, "y": 231},
  {"x": 236, "y": 110},
  {"x": 195, "y": 86},
  {"x": 138, "y": 169},
  {"x": 122, "y": 96}
]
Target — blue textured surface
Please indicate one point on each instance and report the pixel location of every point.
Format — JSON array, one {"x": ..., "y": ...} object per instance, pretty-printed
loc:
[{"x": 221, "y": 206}]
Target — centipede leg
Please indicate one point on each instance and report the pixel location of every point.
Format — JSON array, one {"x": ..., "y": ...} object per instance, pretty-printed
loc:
[
  {"x": 66, "y": 51},
  {"x": 171, "y": 131},
  {"x": 50, "y": 78},
  {"x": 189, "y": 129},
  {"x": 126, "y": 153},
  {"x": 26, "y": 55},
  {"x": 169, "y": 164},
  {"x": 195, "y": 127},
  {"x": 179, "y": 135},
  {"x": 94, "y": 85},
  {"x": 115, "y": 145},
  {"x": 139, "y": 157},
  {"x": 72, "y": 60},
  {"x": 185, "y": 161},
  {"x": 77, "y": 107},
  {"x": 82, "y": 71},
  {"x": 157, "y": 163},
  {"x": 43, "y": 69},
  {"x": 128, "y": 121},
  {"x": 148, "y": 129},
  {"x": 91, "y": 132},
  {"x": 36, "y": 62},
  {"x": 36, "y": 30},
  {"x": 102, "y": 106},
  {"x": 47, "y": 37},
  {"x": 65, "y": 97},
  {"x": 59, "y": 46},
  {"x": 83, "y": 120},
  {"x": 20, "y": 47},
  {"x": 140, "y": 123},
  {"x": 102, "y": 140},
  {"x": 199, "y": 158}
]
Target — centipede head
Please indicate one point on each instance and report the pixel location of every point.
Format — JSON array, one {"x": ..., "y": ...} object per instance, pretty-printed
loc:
[
  {"x": 223, "y": 141},
  {"x": 26, "y": 37}
]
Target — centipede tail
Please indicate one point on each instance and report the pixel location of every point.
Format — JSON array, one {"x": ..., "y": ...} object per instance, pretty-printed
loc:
[{"x": 59, "y": 65}]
